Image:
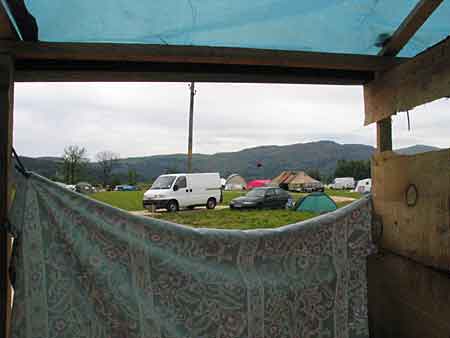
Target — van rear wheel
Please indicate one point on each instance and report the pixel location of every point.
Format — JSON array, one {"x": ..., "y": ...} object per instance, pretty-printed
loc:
[
  {"x": 211, "y": 203},
  {"x": 172, "y": 206}
]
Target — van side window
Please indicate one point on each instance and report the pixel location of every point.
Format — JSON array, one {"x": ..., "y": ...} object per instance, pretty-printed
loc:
[{"x": 181, "y": 182}]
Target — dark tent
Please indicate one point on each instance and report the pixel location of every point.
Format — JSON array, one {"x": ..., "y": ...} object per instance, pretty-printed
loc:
[{"x": 317, "y": 202}]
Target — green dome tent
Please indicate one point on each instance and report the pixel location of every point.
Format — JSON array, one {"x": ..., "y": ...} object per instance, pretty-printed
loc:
[{"x": 317, "y": 202}]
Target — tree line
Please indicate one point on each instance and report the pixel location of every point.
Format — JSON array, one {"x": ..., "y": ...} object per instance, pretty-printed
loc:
[
  {"x": 358, "y": 169},
  {"x": 75, "y": 161}
]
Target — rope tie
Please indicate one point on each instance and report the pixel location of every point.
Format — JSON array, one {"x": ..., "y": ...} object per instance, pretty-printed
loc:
[{"x": 19, "y": 165}]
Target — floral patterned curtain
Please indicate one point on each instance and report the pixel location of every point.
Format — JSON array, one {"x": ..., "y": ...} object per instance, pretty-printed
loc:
[{"x": 84, "y": 269}]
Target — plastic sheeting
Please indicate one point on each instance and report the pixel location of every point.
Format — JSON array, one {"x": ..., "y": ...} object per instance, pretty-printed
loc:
[
  {"x": 85, "y": 269},
  {"x": 341, "y": 26}
]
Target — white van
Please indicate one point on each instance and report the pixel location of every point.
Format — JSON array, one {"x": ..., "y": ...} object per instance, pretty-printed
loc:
[
  {"x": 364, "y": 186},
  {"x": 343, "y": 183},
  {"x": 176, "y": 191}
]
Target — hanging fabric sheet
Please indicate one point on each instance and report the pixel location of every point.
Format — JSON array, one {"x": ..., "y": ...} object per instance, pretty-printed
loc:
[{"x": 85, "y": 269}]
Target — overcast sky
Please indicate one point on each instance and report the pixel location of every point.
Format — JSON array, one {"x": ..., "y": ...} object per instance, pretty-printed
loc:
[{"x": 136, "y": 119}]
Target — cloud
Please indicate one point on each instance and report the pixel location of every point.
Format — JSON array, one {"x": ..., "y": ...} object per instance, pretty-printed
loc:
[{"x": 137, "y": 119}]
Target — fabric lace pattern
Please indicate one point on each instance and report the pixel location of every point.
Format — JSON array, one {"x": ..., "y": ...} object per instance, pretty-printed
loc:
[{"x": 87, "y": 270}]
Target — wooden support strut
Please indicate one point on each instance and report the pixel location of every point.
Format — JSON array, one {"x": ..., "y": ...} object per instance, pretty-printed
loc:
[
  {"x": 409, "y": 26},
  {"x": 6, "y": 124},
  {"x": 384, "y": 135}
]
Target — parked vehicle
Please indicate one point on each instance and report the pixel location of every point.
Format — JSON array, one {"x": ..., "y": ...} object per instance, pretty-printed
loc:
[
  {"x": 176, "y": 191},
  {"x": 84, "y": 188},
  {"x": 66, "y": 186},
  {"x": 310, "y": 187},
  {"x": 364, "y": 186},
  {"x": 266, "y": 197},
  {"x": 126, "y": 188},
  {"x": 343, "y": 183}
]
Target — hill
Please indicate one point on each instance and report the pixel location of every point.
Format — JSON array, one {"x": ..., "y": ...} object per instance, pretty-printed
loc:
[
  {"x": 321, "y": 155},
  {"x": 418, "y": 148},
  {"x": 259, "y": 162}
]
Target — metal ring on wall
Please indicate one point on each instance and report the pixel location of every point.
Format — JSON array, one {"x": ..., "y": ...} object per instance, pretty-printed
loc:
[{"x": 411, "y": 195}]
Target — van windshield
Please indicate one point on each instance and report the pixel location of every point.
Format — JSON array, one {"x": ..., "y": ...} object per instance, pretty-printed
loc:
[{"x": 163, "y": 182}]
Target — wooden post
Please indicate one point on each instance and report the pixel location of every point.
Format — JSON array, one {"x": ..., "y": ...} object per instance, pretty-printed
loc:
[
  {"x": 384, "y": 135},
  {"x": 191, "y": 127},
  {"x": 6, "y": 125}
]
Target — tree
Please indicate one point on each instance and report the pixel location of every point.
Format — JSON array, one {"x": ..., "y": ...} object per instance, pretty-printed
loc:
[
  {"x": 132, "y": 176},
  {"x": 357, "y": 169},
  {"x": 171, "y": 170},
  {"x": 74, "y": 160},
  {"x": 314, "y": 173},
  {"x": 106, "y": 160},
  {"x": 115, "y": 180}
]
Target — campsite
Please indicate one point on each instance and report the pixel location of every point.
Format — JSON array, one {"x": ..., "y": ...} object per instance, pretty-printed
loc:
[{"x": 221, "y": 217}]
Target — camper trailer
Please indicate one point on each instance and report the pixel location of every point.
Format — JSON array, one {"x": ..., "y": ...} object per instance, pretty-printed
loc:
[
  {"x": 176, "y": 191},
  {"x": 343, "y": 183},
  {"x": 364, "y": 186}
]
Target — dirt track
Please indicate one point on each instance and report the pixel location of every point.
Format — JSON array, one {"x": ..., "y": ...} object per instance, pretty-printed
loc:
[{"x": 338, "y": 199}]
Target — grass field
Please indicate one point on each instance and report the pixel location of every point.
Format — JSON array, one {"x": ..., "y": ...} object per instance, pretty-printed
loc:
[
  {"x": 234, "y": 219},
  {"x": 127, "y": 200},
  {"x": 343, "y": 193},
  {"x": 218, "y": 218},
  {"x": 132, "y": 200}
]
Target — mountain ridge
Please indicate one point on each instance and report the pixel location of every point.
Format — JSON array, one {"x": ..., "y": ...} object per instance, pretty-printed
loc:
[{"x": 256, "y": 162}]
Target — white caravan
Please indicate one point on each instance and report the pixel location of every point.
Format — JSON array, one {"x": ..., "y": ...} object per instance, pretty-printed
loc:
[
  {"x": 364, "y": 186},
  {"x": 343, "y": 183},
  {"x": 176, "y": 191}
]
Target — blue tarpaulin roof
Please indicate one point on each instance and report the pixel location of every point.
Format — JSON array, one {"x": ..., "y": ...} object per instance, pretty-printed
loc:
[{"x": 340, "y": 26}]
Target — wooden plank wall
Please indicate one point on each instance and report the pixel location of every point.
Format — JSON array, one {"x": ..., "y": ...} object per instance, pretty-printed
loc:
[
  {"x": 407, "y": 299},
  {"x": 420, "y": 232},
  {"x": 422, "y": 79},
  {"x": 409, "y": 282}
]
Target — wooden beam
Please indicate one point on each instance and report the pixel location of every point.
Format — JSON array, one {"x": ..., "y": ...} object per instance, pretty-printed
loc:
[
  {"x": 107, "y": 52},
  {"x": 406, "y": 299},
  {"x": 195, "y": 54},
  {"x": 45, "y": 71},
  {"x": 131, "y": 62},
  {"x": 6, "y": 125},
  {"x": 422, "y": 79},
  {"x": 409, "y": 26},
  {"x": 7, "y": 31},
  {"x": 384, "y": 135}
]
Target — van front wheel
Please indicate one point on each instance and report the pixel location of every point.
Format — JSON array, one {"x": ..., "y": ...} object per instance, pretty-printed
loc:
[
  {"x": 211, "y": 203},
  {"x": 172, "y": 206}
]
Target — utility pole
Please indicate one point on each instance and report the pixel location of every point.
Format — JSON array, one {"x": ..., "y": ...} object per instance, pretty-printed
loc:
[{"x": 191, "y": 122}]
